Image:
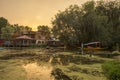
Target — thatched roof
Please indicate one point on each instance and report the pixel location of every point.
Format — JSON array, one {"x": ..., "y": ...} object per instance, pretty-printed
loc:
[{"x": 24, "y": 37}]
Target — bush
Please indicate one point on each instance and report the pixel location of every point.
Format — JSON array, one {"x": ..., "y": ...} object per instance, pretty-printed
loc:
[
  {"x": 112, "y": 70},
  {"x": 115, "y": 52}
]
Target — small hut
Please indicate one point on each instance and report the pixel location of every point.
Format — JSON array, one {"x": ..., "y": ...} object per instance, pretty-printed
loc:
[{"x": 23, "y": 41}]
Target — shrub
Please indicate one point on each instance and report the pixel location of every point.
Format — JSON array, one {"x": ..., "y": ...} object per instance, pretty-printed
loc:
[
  {"x": 115, "y": 52},
  {"x": 59, "y": 74},
  {"x": 112, "y": 70}
]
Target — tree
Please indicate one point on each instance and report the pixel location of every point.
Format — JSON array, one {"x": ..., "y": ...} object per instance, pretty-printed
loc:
[
  {"x": 94, "y": 25},
  {"x": 94, "y": 21},
  {"x": 65, "y": 25},
  {"x": 19, "y": 29},
  {"x": 111, "y": 9},
  {"x": 27, "y": 29},
  {"x": 44, "y": 30},
  {"x": 7, "y": 32},
  {"x": 79, "y": 24},
  {"x": 3, "y": 23}
]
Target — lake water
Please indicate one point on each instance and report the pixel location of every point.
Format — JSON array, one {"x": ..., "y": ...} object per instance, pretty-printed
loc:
[{"x": 38, "y": 72}]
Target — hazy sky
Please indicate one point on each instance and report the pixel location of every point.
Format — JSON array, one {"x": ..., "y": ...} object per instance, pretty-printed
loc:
[{"x": 33, "y": 12}]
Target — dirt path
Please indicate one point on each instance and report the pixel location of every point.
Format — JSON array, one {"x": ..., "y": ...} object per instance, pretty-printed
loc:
[{"x": 36, "y": 72}]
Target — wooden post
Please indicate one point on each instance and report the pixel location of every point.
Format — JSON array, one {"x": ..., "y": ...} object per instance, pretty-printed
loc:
[{"x": 82, "y": 48}]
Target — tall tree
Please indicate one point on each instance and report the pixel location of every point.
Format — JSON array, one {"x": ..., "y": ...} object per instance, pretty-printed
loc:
[
  {"x": 66, "y": 23},
  {"x": 94, "y": 25},
  {"x": 111, "y": 9},
  {"x": 27, "y": 28},
  {"x": 19, "y": 29},
  {"x": 44, "y": 31},
  {"x": 3, "y": 23},
  {"x": 7, "y": 32},
  {"x": 79, "y": 24}
]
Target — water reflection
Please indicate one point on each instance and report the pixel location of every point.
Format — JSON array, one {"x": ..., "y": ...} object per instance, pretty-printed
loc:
[{"x": 37, "y": 72}]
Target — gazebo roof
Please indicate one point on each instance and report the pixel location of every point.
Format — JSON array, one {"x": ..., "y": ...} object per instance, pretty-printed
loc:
[{"x": 24, "y": 37}]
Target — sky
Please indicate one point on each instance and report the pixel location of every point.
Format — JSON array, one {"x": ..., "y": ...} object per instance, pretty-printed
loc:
[{"x": 33, "y": 12}]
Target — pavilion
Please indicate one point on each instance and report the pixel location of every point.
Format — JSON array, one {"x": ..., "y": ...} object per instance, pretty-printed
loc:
[{"x": 23, "y": 41}]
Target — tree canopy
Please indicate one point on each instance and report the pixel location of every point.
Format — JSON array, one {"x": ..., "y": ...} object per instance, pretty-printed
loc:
[
  {"x": 44, "y": 30},
  {"x": 3, "y": 23},
  {"x": 7, "y": 32},
  {"x": 93, "y": 21}
]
